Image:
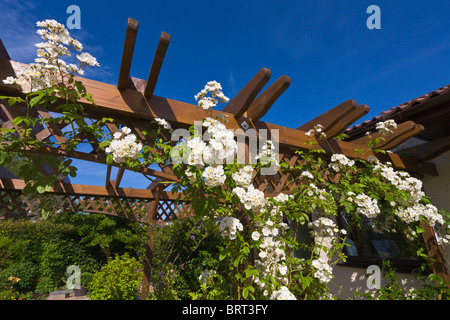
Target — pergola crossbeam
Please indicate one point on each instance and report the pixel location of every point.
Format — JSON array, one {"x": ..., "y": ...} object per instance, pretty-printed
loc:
[
  {"x": 428, "y": 150},
  {"x": 338, "y": 119},
  {"x": 241, "y": 102},
  {"x": 90, "y": 190},
  {"x": 404, "y": 131},
  {"x": 127, "y": 55},
  {"x": 153, "y": 75},
  {"x": 261, "y": 105}
]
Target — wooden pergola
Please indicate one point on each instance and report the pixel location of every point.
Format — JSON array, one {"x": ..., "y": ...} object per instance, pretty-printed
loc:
[{"x": 132, "y": 102}]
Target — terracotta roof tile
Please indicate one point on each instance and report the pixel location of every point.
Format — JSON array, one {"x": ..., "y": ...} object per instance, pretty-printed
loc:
[{"x": 396, "y": 111}]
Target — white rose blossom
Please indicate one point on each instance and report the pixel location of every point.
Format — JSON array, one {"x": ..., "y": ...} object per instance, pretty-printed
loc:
[
  {"x": 214, "y": 176},
  {"x": 47, "y": 70},
  {"x": 215, "y": 90},
  {"x": 124, "y": 146},
  {"x": 229, "y": 226},
  {"x": 386, "y": 127}
]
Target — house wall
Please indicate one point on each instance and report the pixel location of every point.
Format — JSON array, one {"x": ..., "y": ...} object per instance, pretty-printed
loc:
[
  {"x": 438, "y": 189},
  {"x": 350, "y": 279}
]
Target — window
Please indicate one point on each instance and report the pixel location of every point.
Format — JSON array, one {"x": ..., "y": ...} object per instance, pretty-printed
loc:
[{"x": 366, "y": 247}]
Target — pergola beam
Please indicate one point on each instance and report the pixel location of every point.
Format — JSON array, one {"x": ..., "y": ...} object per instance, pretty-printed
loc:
[
  {"x": 338, "y": 119},
  {"x": 428, "y": 150},
  {"x": 3, "y": 52},
  {"x": 90, "y": 190},
  {"x": 404, "y": 131},
  {"x": 153, "y": 75},
  {"x": 127, "y": 55},
  {"x": 130, "y": 103},
  {"x": 241, "y": 102},
  {"x": 119, "y": 177},
  {"x": 261, "y": 105}
]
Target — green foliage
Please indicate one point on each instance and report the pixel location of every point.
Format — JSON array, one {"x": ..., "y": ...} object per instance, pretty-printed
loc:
[
  {"x": 431, "y": 287},
  {"x": 119, "y": 279},
  {"x": 48, "y": 247},
  {"x": 183, "y": 250},
  {"x": 45, "y": 285},
  {"x": 26, "y": 271},
  {"x": 109, "y": 233}
]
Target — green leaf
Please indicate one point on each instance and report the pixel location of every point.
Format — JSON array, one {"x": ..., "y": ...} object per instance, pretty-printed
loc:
[
  {"x": 245, "y": 292},
  {"x": 35, "y": 100},
  {"x": 109, "y": 158},
  {"x": 419, "y": 229},
  {"x": 5, "y": 157},
  {"x": 12, "y": 101},
  {"x": 223, "y": 255},
  {"x": 17, "y": 120}
]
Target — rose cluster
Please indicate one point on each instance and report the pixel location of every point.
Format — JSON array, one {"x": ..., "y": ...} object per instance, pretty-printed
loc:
[
  {"x": 409, "y": 210},
  {"x": 339, "y": 162},
  {"x": 386, "y": 127},
  {"x": 244, "y": 176},
  {"x": 215, "y": 90},
  {"x": 124, "y": 146},
  {"x": 252, "y": 198},
  {"x": 163, "y": 123},
  {"x": 48, "y": 68},
  {"x": 282, "y": 294},
  {"x": 229, "y": 226},
  {"x": 325, "y": 232},
  {"x": 220, "y": 147},
  {"x": 214, "y": 176},
  {"x": 317, "y": 131},
  {"x": 365, "y": 205}
]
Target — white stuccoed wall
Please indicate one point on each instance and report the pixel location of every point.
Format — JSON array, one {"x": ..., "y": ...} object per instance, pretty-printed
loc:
[
  {"x": 349, "y": 280},
  {"x": 438, "y": 189}
]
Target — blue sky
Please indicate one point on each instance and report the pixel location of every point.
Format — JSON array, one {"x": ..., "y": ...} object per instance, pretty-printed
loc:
[{"x": 324, "y": 46}]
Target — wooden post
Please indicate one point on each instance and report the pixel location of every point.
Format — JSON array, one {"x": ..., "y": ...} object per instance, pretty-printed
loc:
[
  {"x": 435, "y": 253},
  {"x": 150, "y": 244}
]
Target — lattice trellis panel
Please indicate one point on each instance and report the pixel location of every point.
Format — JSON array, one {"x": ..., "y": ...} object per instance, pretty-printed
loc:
[
  {"x": 170, "y": 210},
  {"x": 13, "y": 205}
]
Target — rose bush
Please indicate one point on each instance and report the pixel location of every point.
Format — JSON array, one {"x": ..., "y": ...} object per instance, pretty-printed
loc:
[{"x": 259, "y": 239}]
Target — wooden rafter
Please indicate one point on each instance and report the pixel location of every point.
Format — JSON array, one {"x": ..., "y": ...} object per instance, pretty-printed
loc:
[
  {"x": 127, "y": 55},
  {"x": 150, "y": 85},
  {"x": 3, "y": 52},
  {"x": 428, "y": 150},
  {"x": 336, "y": 120},
  {"x": 119, "y": 177},
  {"x": 266, "y": 99},
  {"x": 101, "y": 191},
  {"x": 241, "y": 102},
  {"x": 404, "y": 131}
]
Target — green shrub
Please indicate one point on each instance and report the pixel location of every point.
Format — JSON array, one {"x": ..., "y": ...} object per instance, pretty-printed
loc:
[
  {"x": 8, "y": 294},
  {"x": 119, "y": 279},
  {"x": 109, "y": 234},
  {"x": 183, "y": 250},
  {"x": 66, "y": 239},
  {"x": 45, "y": 285},
  {"x": 26, "y": 271},
  {"x": 11, "y": 251}
]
